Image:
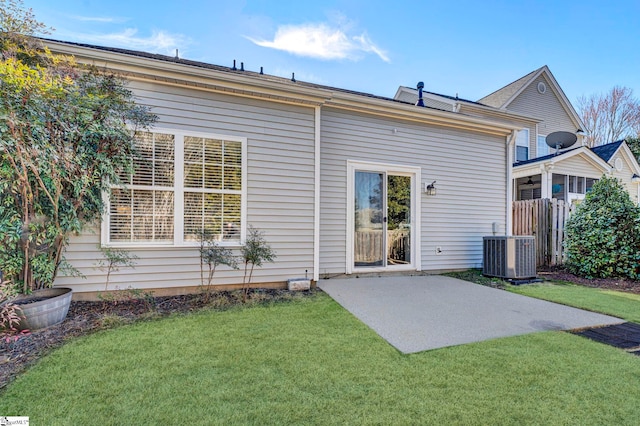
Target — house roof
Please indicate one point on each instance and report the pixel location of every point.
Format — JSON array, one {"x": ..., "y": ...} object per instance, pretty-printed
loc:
[
  {"x": 452, "y": 98},
  {"x": 534, "y": 166},
  {"x": 174, "y": 70},
  {"x": 503, "y": 97},
  {"x": 607, "y": 151},
  {"x": 459, "y": 105},
  {"x": 543, "y": 158},
  {"x": 209, "y": 66},
  {"x": 603, "y": 151},
  {"x": 500, "y": 97}
]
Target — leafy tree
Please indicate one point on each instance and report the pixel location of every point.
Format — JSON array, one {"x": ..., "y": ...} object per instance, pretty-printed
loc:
[
  {"x": 398, "y": 201},
  {"x": 603, "y": 234},
  {"x": 611, "y": 116},
  {"x": 66, "y": 133},
  {"x": 634, "y": 146}
]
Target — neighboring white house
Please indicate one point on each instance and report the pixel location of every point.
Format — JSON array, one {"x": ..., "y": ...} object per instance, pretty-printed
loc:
[
  {"x": 540, "y": 171},
  {"x": 337, "y": 180}
]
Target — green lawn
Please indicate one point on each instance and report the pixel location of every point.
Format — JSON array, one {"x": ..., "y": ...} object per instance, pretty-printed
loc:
[
  {"x": 616, "y": 303},
  {"x": 311, "y": 362}
]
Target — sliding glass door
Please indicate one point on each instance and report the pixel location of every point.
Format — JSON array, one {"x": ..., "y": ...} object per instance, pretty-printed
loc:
[{"x": 382, "y": 219}]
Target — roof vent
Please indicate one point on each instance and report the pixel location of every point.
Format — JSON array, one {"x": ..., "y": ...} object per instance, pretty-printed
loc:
[
  {"x": 542, "y": 88},
  {"x": 420, "y": 102}
]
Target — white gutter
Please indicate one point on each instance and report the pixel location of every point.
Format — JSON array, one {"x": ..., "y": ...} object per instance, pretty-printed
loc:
[
  {"x": 316, "y": 201},
  {"x": 511, "y": 140}
]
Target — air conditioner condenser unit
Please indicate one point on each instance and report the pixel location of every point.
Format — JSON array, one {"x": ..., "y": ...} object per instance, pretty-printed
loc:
[{"x": 512, "y": 257}]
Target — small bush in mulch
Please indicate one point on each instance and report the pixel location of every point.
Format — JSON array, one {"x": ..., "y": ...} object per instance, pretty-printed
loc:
[{"x": 119, "y": 308}]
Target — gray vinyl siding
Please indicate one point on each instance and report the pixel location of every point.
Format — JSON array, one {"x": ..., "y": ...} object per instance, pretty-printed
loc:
[
  {"x": 280, "y": 190},
  {"x": 471, "y": 182},
  {"x": 545, "y": 106}
]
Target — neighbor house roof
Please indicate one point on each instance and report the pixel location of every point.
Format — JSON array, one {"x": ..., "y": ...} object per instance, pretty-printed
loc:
[
  {"x": 603, "y": 152},
  {"x": 607, "y": 151},
  {"x": 459, "y": 105},
  {"x": 452, "y": 98},
  {"x": 500, "y": 97},
  {"x": 503, "y": 97},
  {"x": 543, "y": 158},
  {"x": 533, "y": 166}
]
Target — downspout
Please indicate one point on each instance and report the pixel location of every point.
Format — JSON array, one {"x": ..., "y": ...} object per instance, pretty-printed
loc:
[
  {"x": 511, "y": 140},
  {"x": 316, "y": 201}
]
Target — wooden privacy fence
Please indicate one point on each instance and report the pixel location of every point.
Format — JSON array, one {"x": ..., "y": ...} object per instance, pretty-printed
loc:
[{"x": 546, "y": 220}]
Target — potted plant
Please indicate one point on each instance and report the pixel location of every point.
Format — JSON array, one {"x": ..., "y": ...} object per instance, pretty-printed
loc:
[{"x": 66, "y": 134}]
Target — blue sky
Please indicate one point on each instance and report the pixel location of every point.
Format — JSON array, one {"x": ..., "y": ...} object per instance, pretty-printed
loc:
[{"x": 471, "y": 48}]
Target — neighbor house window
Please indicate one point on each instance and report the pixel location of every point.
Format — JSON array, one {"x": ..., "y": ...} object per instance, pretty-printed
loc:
[
  {"x": 522, "y": 145},
  {"x": 182, "y": 184},
  {"x": 542, "y": 148}
]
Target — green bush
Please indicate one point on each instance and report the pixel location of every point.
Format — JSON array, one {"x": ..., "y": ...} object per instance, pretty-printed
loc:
[
  {"x": 603, "y": 235},
  {"x": 67, "y": 132}
]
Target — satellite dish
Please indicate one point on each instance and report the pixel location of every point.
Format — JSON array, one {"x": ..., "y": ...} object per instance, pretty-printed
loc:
[{"x": 561, "y": 140}]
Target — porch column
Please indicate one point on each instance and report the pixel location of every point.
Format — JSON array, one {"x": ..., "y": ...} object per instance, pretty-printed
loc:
[{"x": 546, "y": 181}]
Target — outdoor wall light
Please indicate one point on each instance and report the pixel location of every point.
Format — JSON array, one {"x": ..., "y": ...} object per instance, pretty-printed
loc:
[{"x": 430, "y": 189}]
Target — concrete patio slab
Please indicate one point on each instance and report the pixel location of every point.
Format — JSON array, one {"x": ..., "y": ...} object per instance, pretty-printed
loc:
[{"x": 418, "y": 313}]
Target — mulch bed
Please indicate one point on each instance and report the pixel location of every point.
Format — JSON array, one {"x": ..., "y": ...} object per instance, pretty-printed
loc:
[
  {"x": 87, "y": 317},
  {"x": 617, "y": 284}
]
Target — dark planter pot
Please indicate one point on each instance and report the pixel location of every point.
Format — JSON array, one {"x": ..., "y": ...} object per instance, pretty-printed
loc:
[{"x": 49, "y": 307}]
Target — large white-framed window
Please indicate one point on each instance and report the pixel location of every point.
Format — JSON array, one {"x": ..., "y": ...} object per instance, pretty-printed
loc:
[
  {"x": 542, "y": 148},
  {"x": 183, "y": 183},
  {"x": 522, "y": 145}
]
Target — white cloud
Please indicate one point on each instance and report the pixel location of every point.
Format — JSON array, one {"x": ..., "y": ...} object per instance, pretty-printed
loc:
[
  {"x": 157, "y": 42},
  {"x": 322, "y": 42},
  {"x": 102, "y": 19}
]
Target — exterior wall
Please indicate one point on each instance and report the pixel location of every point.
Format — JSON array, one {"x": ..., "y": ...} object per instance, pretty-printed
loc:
[
  {"x": 471, "y": 182},
  {"x": 280, "y": 190},
  {"x": 577, "y": 166},
  {"x": 545, "y": 106},
  {"x": 625, "y": 174}
]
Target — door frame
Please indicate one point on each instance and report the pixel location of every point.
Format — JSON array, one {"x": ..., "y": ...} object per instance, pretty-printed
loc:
[{"x": 416, "y": 179}]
